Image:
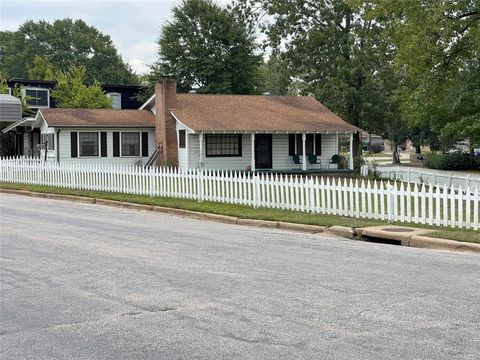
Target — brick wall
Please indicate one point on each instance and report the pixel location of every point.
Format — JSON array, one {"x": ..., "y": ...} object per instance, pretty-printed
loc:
[{"x": 165, "y": 125}]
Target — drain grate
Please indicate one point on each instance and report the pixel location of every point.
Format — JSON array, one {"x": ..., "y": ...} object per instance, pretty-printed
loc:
[{"x": 398, "y": 230}]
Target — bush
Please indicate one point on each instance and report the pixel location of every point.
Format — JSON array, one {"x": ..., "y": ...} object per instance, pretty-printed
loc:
[{"x": 454, "y": 161}]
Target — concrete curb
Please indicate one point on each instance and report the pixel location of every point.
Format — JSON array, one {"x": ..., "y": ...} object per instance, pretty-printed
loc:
[
  {"x": 411, "y": 240},
  {"x": 343, "y": 231}
]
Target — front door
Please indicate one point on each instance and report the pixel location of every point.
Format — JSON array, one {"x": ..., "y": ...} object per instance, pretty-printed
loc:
[{"x": 263, "y": 151}]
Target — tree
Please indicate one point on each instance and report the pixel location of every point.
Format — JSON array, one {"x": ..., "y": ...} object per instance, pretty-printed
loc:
[
  {"x": 334, "y": 49},
  {"x": 208, "y": 49},
  {"x": 72, "y": 92},
  {"x": 41, "y": 69},
  {"x": 60, "y": 44},
  {"x": 437, "y": 46}
]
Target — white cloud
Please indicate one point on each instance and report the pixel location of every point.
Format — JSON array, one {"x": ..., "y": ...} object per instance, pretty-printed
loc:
[{"x": 139, "y": 66}]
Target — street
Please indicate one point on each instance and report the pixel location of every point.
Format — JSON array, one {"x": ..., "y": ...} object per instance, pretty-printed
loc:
[{"x": 82, "y": 281}]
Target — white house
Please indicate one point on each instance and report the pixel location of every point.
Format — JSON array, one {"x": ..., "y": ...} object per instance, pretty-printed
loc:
[
  {"x": 245, "y": 132},
  {"x": 234, "y": 132},
  {"x": 96, "y": 135}
]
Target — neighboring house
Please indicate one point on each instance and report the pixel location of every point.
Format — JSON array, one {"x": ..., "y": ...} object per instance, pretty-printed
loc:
[
  {"x": 231, "y": 132},
  {"x": 96, "y": 135},
  {"x": 241, "y": 132},
  {"x": 38, "y": 93}
]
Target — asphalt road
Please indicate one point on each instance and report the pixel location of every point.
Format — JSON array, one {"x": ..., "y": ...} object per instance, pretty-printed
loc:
[{"x": 85, "y": 281}]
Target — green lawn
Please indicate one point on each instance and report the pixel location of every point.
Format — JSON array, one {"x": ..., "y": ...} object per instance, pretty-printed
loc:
[{"x": 243, "y": 211}]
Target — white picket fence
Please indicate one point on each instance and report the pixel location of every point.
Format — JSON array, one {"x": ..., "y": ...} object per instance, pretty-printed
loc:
[
  {"x": 427, "y": 176},
  {"x": 399, "y": 202}
]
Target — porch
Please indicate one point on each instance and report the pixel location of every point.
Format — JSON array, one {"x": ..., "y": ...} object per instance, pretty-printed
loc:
[{"x": 288, "y": 153}]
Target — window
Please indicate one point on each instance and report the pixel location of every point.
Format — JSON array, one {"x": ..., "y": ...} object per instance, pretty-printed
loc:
[
  {"x": 49, "y": 140},
  {"x": 181, "y": 139},
  {"x": 116, "y": 100},
  {"x": 130, "y": 143},
  {"x": 88, "y": 143},
  {"x": 312, "y": 144},
  {"x": 227, "y": 145},
  {"x": 37, "y": 97}
]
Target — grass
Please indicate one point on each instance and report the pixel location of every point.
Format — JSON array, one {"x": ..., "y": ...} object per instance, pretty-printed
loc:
[{"x": 243, "y": 211}]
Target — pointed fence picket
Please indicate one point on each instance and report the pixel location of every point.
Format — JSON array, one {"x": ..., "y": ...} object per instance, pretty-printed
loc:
[{"x": 440, "y": 205}]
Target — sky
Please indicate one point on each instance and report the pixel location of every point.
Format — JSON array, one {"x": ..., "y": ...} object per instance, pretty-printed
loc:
[{"x": 133, "y": 25}]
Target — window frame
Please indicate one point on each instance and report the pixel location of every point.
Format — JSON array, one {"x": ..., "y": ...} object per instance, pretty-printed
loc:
[
  {"x": 139, "y": 147},
  {"x": 182, "y": 145},
  {"x": 36, "y": 88},
  {"x": 42, "y": 141},
  {"x": 298, "y": 144},
  {"x": 239, "y": 142},
  {"x": 79, "y": 155},
  {"x": 110, "y": 94}
]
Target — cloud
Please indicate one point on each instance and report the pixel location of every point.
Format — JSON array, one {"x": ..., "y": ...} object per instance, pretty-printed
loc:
[{"x": 134, "y": 26}]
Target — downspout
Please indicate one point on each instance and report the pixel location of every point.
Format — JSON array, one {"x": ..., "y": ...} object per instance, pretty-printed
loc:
[{"x": 58, "y": 146}]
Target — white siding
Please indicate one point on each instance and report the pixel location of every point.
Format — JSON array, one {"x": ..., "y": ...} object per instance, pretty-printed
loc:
[
  {"x": 65, "y": 149},
  {"x": 182, "y": 153},
  {"x": 280, "y": 158}
]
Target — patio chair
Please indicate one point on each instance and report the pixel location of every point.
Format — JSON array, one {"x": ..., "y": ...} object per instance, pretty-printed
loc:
[
  {"x": 335, "y": 160},
  {"x": 297, "y": 160},
  {"x": 313, "y": 160}
]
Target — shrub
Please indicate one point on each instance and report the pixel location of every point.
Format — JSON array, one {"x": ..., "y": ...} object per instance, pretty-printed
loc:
[{"x": 454, "y": 161}]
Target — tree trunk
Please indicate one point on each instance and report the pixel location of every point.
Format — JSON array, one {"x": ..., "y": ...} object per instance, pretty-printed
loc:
[{"x": 396, "y": 155}]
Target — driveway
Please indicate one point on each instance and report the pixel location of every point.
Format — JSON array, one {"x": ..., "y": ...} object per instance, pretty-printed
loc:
[{"x": 83, "y": 281}]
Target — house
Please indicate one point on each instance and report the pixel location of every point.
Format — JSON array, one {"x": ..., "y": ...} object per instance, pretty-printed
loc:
[
  {"x": 96, "y": 135},
  {"x": 244, "y": 132},
  {"x": 234, "y": 132},
  {"x": 38, "y": 97}
]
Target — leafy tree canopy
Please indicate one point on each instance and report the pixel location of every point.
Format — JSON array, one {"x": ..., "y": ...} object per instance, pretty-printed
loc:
[
  {"x": 208, "y": 49},
  {"x": 38, "y": 48},
  {"x": 72, "y": 92}
]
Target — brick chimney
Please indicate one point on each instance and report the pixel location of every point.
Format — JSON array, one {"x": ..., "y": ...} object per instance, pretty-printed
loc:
[{"x": 165, "y": 124}]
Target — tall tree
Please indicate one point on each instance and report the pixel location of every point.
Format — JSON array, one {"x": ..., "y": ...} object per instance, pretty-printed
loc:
[
  {"x": 437, "y": 45},
  {"x": 208, "y": 49},
  {"x": 62, "y": 43},
  {"x": 333, "y": 49},
  {"x": 72, "y": 92}
]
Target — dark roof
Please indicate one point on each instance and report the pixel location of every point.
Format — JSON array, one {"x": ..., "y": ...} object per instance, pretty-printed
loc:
[
  {"x": 98, "y": 117},
  {"x": 257, "y": 113}
]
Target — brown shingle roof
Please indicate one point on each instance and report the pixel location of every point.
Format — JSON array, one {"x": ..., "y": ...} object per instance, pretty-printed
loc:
[
  {"x": 98, "y": 117},
  {"x": 257, "y": 113}
]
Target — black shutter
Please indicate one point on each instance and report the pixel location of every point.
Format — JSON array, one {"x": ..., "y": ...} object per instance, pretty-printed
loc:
[
  {"x": 144, "y": 143},
  {"x": 103, "y": 144},
  {"x": 73, "y": 144},
  {"x": 291, "y": 144},
  {"x": 116, "y": 144},
  {"x": 318, "y": 144},
  {"x": 239, "y": 144},
  {"x": 299, "y": 144},
  {"x": 309, "y": 144}
]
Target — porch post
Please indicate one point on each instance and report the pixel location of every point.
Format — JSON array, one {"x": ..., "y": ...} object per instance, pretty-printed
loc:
[
  {"x": 351, "y": 151},
  {"x": 187, "y": 151},
  {"x": 200, "y": 156},
  {"x": 252, "y": 164},
  {"x": 304, "y": 161}
]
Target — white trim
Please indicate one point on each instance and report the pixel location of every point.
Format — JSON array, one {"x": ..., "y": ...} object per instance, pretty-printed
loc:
[
  {"x": 252, "y": 161},
  {"x": 99, "y": 145},
  {"x": 110, "y": 94},
  {"x": 304, "y": 156},
  {"x": 181, "y": 123},
  {"x": 351, "y": 151},
  {"x": 23, "y": 92},
  {"x": 18, "y": 123},
  {"x": 146, "y": 103},
  {"x": 120, "y": 144}
]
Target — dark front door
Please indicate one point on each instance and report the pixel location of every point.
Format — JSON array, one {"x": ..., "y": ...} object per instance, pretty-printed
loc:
[{"x": 263, "y": 151}]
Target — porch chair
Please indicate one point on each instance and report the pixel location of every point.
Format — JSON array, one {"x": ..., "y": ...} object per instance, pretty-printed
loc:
[
  {"x": 313, "y": 160},
  {"x": 297, "y": 160},
  {"x": 335, "y": 160}
]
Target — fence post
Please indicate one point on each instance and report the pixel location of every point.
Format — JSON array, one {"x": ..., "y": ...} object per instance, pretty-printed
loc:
[
  {"x": 200, "y": 184},
  {"x": 256, "y": 190},
  {"x": 389, "y": 202}
]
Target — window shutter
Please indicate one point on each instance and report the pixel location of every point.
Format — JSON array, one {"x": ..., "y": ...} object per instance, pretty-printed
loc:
[
  {"x": 116, "y": 144},
  {"x": 73, "y": 144},
  {"x": 144, "y": 143},
  {"x": 299, "y": 144},
  {"x": 291, "y": 144},
  {"x": 103, "y": 144},
  {"x": 318, "y": 144},
  {"x": 309, "y": 145}
]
